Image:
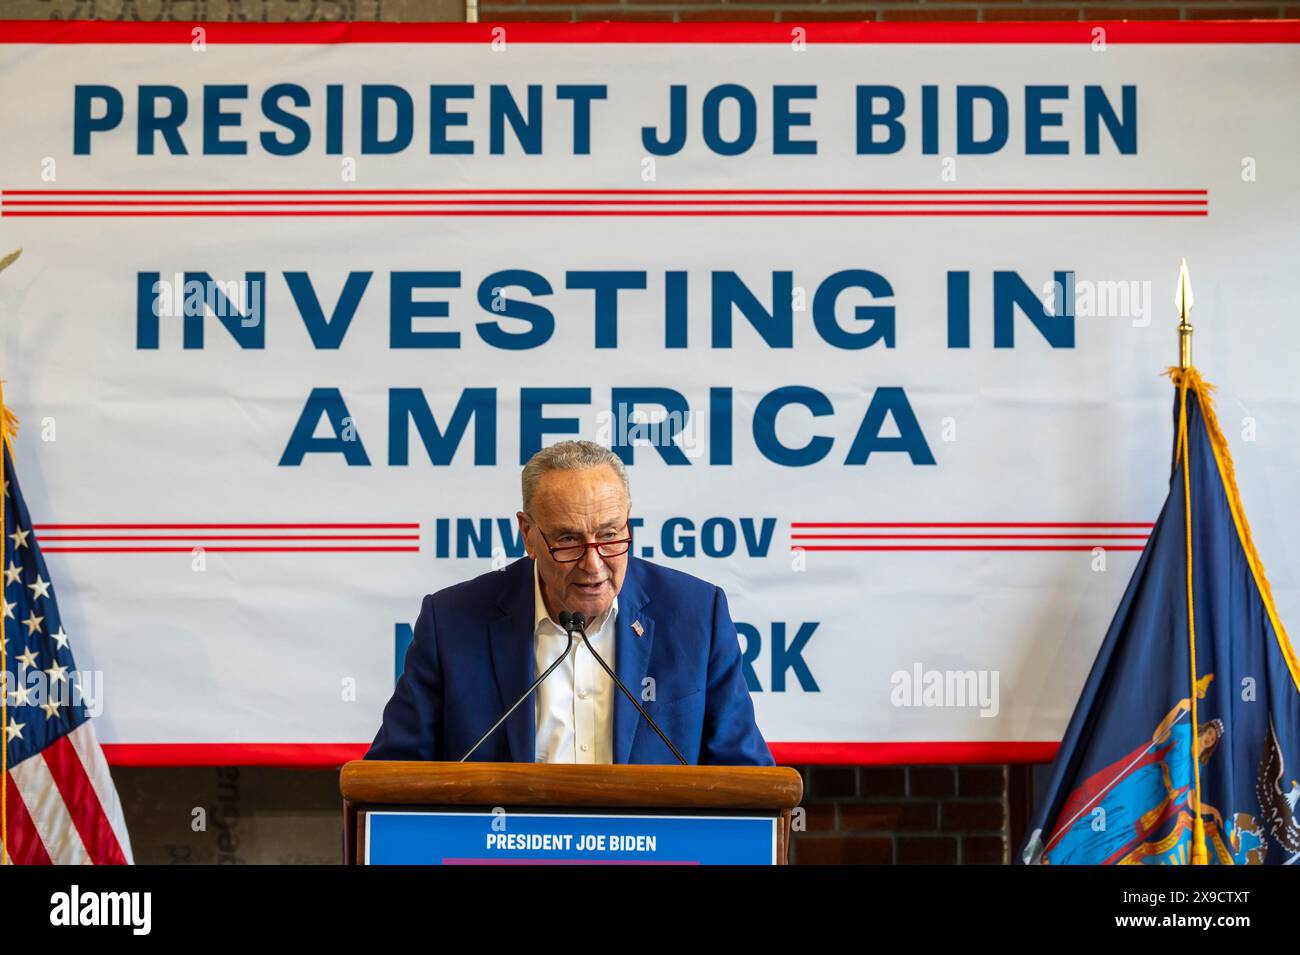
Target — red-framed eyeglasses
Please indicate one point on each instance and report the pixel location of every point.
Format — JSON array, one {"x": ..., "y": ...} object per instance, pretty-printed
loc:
[{"x": 572, "y": 553}]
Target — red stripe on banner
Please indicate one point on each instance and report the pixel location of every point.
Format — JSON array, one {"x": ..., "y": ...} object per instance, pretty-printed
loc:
[
  {"x": 493, "y": 213},
  {"x": 980, "y": 547},
  {"x": 227, "y": 537},
  {"x": 1088, "y": 537},
  {"x": 1152, "y": 31},
  {"x": 968, "y": 524},
  {"x": 233, "y": 754},
  {"x": 83, "y": 803},
  {"x": 24, "y": 842},
  {"x": 600, "y": 192},
  {"x": 181, "y": 527},
  {"x": 902, "y": 754},
  {"x": 227, "y": 550},
  {"x": 196, "y": 203},
  {"x": 328, "y": 755}
]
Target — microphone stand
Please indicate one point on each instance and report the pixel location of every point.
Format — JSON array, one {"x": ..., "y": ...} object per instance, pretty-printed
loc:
[
  {"x": 578, "y": 622},
  {"x": 527, "y": 694}
]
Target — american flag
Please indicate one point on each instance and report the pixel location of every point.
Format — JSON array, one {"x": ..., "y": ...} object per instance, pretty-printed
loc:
[{"x": 59, "y": 802}]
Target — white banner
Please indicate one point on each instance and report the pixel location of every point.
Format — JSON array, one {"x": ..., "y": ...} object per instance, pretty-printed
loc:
[{"x": 875, "y": 315}]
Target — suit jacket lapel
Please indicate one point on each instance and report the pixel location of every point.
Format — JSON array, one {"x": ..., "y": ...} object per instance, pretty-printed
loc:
[
  {"x": 631, "y": 657},
  {"x": 511, "y": 639}
]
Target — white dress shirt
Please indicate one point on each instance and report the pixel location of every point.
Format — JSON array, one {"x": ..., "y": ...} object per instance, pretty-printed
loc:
[{"x": 574, "y": 706}]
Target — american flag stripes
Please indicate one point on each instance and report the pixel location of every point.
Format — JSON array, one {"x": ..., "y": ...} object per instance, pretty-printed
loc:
[{"x": 58, "y": 801}]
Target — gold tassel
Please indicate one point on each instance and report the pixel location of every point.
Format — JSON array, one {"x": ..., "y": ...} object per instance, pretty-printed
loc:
[
  {"x": 8, "y": 428},
  {"x": 10, "y": 423},
  {"x": 1186, "y": 378}
]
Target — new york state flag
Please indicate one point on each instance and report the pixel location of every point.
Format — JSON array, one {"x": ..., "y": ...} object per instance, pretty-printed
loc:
[{"x": 1185, "y": 745}]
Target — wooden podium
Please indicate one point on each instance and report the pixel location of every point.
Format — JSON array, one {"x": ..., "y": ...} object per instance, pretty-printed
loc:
[{"x": 520, "y": 813}]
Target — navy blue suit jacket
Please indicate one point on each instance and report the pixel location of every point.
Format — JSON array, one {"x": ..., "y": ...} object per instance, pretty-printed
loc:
[{"x": 472, "y": 656}]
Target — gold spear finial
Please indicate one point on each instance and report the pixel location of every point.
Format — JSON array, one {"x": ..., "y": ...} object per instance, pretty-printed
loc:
[{"x": 1183, "y": 301}]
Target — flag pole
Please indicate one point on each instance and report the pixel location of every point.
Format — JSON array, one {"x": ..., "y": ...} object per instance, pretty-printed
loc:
[
  {"x": 1184, "y": 300},
  {"x": 8, "y": 427},
  {"x": 4, "y": 659}
]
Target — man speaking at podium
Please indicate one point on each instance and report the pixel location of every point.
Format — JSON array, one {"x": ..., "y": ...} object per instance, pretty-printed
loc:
[{"x": 668, "y": 637}]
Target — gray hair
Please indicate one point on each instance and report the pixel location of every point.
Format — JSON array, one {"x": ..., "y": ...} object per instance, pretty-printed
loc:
[{"x": 569, "y": 456}]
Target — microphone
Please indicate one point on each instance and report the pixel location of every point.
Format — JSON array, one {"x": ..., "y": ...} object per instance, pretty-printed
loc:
[
  {"x": 578, "y": 621},
  {"x": 566, "y": 621}
]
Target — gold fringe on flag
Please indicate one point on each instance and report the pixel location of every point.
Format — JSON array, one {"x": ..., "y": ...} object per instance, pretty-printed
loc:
[
  {"x": 1228, "y": 475},
  {"x": 1183, "y": 378},
  {"x": 1188, "y": 379},
  {"x": 8, "y": 426}
]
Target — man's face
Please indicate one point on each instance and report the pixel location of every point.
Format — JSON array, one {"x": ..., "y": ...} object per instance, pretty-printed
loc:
[{"x": 572, "y": 508}]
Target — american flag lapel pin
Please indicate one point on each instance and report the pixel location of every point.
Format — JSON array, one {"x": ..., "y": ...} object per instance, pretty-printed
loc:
[{"x": 637, "y": 628}]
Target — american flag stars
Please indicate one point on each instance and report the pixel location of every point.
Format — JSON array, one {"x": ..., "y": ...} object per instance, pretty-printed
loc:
[{"x": 21, "y": 695}]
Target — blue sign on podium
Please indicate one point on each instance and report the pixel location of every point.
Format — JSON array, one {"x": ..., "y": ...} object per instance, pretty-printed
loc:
[{"x": 539, "y": 838}]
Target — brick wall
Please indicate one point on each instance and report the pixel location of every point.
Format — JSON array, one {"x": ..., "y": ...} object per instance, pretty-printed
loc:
[
  {"x": 967, "y": 815},
  {"x": 263, "y": 815},
  {"x": 806, "y": 11}
]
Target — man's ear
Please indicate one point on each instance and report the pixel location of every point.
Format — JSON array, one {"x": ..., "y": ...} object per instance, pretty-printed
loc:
[{"x": 523, "y": 532}]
